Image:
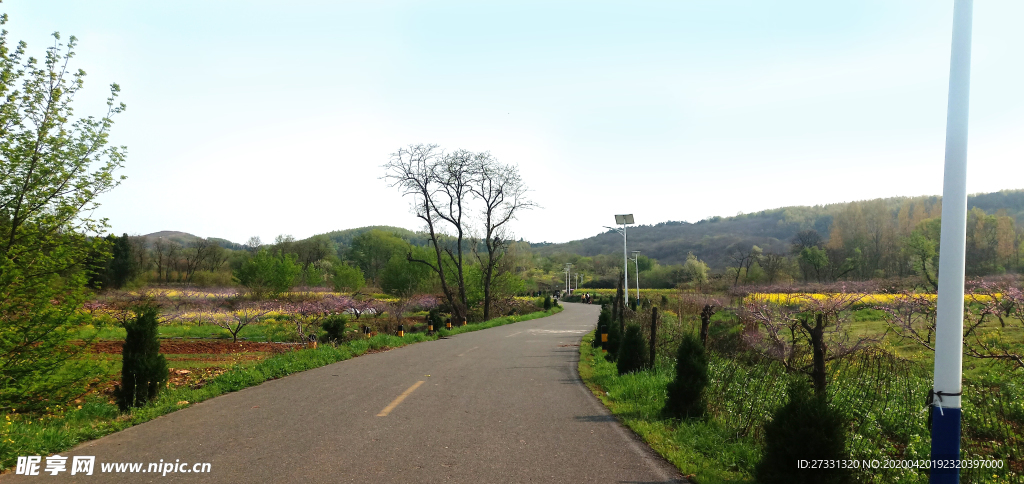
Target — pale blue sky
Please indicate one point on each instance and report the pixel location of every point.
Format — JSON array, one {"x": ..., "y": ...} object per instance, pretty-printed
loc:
[{"x": 261, "y": 118}]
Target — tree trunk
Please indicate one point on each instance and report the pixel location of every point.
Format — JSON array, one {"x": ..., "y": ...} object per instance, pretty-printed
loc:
[
  {"x": 705, "y": 322},
  {"x": 818, "y": 345}
]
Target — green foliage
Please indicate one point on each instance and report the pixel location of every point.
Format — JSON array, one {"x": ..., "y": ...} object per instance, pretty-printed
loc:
[
  {"x": 434, "y": 318},
  {"x": 347, "y": 278},
  {"x": 695, "y": 270},
  {"x": 923, "y": 253},
  {"x": 807, "y": 427},
  {"x": 403, "y": 278},
  {"x": 373, "y": 251},
  {"x": 267, "y": 275},
  {"x": 120, "y": 268},
  {"x": 547, "y": 302},
  {"x": 604, "y": 322},
  {"x": 52, "y": 168},
  {"x": 614, "y": 335},
  {"x": 686, "y": 392},
  {"x": 143, "y": 368},
  {"x": 334, "y": 328},
  {"x": 632, "y": 354}
]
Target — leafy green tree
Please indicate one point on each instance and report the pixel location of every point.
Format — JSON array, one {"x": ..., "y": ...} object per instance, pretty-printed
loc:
[
  {"x": 816, "y": 259},
  {"x": 53, "y": 166},
  {"x": 143, "y": 368},
  {"x": 686, "y": 392},
  {"x": 923, "y": 254},
  {"x": 347, "y": 278},
  {"x": 403, "y": 278},
  {"x": 267, "y": 275},
  {"x": 122, "y": 266},
  {"x": 695, "y": 270},
  {"x": 373, "y": 250}
]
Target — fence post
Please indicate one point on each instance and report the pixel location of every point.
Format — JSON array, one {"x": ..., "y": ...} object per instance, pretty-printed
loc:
[{"x": 654, "y": 332}]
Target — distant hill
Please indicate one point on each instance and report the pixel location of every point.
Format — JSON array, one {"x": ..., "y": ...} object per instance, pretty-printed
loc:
[
  {"x": 711, "y": 240},
  {"x": 343, "y": 238},
  {"x": 184, "y": 238}
]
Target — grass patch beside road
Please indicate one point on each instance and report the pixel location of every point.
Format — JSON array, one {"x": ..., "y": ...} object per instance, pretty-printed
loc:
[
  {"x": 64, "y": 427},
  {"x": 702, "y": 450}
]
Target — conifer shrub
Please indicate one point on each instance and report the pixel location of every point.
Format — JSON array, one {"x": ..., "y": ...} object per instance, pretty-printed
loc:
[
  {"x": 334, "y": 328},
  {"x": 603, "y": 322},
  {"x": 143, "y": 368},
  {"x": 686, "y": 392},
  {"x": 547, "y": 302},
  {"x": 632, "y": 355},
  {"x": 807, "y": 427},
  {"x": 434, "y": 319},
  {"x": 614, "y": 337}
]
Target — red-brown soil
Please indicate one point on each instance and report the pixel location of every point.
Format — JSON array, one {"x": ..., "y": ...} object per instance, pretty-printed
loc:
[{"x": 177, "y": 347}]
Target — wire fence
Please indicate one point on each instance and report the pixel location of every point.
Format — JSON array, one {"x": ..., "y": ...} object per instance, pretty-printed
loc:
[{"x": 882, "y": 395}]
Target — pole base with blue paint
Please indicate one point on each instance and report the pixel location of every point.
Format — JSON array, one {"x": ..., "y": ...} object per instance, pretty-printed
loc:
[{"x": 945, "y": 446}]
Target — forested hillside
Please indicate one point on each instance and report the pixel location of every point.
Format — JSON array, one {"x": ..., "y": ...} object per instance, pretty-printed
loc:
[{"x": 865, "y": 239}]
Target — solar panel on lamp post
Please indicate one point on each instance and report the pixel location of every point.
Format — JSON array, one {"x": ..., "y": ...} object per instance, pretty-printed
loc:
[{"x": 624, "y": 220}]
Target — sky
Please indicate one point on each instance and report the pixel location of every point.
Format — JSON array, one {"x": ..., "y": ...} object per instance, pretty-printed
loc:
[{"x": 264, "y": 118}]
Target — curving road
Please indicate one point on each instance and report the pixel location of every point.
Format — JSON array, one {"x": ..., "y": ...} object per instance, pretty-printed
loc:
[{"x": 499, "y": 405}]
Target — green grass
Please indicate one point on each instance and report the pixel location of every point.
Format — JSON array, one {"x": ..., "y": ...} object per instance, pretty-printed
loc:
[
  {"x": 64, "y": 427},
  {"x": 701, "y": 449}
]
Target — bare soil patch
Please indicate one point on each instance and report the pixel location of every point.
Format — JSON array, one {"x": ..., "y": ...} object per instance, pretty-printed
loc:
[{"x": 178, "y": 347}]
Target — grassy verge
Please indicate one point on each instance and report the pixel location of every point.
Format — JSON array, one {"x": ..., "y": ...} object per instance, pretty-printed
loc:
[
  {"x": 702, "y": 450},
  {"x": 64, "y": 427}
]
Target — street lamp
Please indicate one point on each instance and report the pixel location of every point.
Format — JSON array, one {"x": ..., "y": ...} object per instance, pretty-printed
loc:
[
  {"x": 568, "y": 277},
  {"x": 624, "y": 220},
  {"x": 636, "y": 265}
]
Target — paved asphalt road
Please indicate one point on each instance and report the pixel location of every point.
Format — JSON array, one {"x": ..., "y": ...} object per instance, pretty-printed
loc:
[{"x": 499, "y": 405}]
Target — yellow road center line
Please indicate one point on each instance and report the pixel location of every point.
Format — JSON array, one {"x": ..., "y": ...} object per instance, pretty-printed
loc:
[
  {"x": 467, "y": 351},
  {"x": 394, "y": 403}
]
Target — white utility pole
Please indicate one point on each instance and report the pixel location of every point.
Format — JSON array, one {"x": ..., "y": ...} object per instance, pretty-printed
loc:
[{"x": 949, "y": 323}]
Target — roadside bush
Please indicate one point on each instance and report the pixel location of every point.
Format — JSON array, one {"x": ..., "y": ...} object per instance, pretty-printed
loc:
[
  {"x": 434, "y": 318},
  {"x": 686, "y": 392},
  {"x": 807, "y": 427},
  {"x": 614, "y": 336},
  {"x": 632, "y": 355},
  {"x": 212, "y": 279},
  {"x": 603, "y": 322},
  {"x": 334, "y": 328},
  {"x": 143, "y": 368},
  {"x": 547, "y": 302}
]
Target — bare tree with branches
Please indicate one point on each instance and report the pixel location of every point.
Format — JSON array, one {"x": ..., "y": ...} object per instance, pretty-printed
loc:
[
  {"x": 912, "y": 316},
  {"x": 807, "y": 335},
  {"x": 439, "y": 186},
  {"x": 502, "y": 193}
]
